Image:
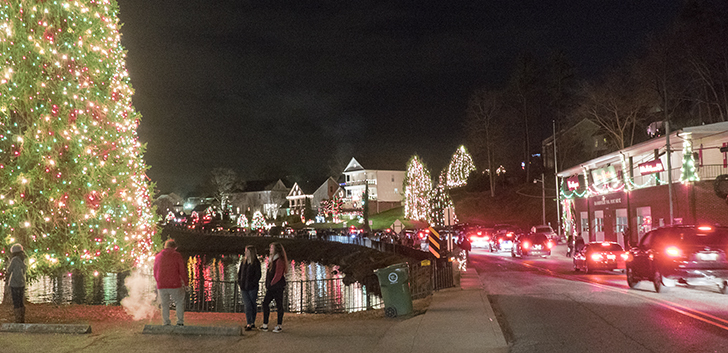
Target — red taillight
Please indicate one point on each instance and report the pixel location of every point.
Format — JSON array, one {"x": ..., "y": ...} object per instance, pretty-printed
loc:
[
  {"x": 500, "y": 240},
  {"x": 705, "y": 228},
  {"x": 549, "y": 245},
  {"x": 480, "y": 233},
  {"x": 487, "y": 238},
  {"x": 625, "y": 256},
  {"x": 673, "y": 251},
  {"x": 526, "y": 245},
  {"x": 597, "y": 257}
]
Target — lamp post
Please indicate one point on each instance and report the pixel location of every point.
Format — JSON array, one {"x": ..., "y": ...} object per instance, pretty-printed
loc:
[{"x": 543, "y": 198}]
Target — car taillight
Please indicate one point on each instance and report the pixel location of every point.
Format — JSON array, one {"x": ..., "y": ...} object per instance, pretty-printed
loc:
[
  {"x": 526, "y": 245},
  {"x": 705, "y": 228},
  {"x": 500, "y": 240},
  {"x": 597, "y": 257},
  {"x": 549, "y": 245},
  {"x": 480, "y": 233},
  {"x": 673, "y": 251},
  {"x": 625, "y": 256},
  {"x": 487, "y": 238}
]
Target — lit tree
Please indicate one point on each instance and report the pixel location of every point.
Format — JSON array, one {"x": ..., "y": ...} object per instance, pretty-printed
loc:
[
  {"x": 441, "y": 201},
  {"x": 417, "y": 188},
  {"x": 460, "y": 167},
  {"x": 689, "y": 173},
  {"x": 73, "y": 181},
  {"x": 258, "y": 221},
  {"x": 242, "y": 221}
]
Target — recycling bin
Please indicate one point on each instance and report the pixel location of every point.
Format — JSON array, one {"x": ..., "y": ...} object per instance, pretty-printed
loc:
[{"x": 394, "y": 282}]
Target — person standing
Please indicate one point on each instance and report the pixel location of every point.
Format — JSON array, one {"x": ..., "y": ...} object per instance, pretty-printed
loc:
[
  {"x": 171, "y": 276},
  {"x": 275, "y": 284},
  {"x": 16, "y": 280},
  {"x": 466, "y": 246},
  {"x": 248, "y": 278}
]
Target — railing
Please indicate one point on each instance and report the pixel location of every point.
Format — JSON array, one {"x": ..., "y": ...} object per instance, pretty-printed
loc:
[
  {"x": 705, "y": 172},
  {"x": 311, "y": 296}
]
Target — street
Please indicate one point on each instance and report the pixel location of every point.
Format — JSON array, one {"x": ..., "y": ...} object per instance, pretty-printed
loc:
[{"x": 543, "y": 305}]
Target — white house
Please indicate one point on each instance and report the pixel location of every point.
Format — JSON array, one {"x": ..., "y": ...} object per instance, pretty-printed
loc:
[
  {"x": 385, "y": 187},
  {"x": 265, "y": 196},
  {"x": 315, "y": 191}
]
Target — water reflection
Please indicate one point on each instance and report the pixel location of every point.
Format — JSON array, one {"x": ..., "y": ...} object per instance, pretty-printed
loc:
[{"x": 312, "y": 287}]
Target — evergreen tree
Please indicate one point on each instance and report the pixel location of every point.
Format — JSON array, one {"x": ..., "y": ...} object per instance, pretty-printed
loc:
[
  {"x": 73, "y": 181},
  {"x": 459, "y": 169},
  {"x": 258, "y": 221},
  {"x": 417, "y": 188}
]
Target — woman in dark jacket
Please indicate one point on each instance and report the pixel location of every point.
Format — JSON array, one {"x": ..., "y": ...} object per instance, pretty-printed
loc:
[
  {"x": 275, "y": 284},
  {"x": 248, "y": 278}
]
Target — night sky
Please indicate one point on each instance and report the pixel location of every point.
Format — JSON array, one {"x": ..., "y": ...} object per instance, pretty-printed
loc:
[{"x": 295, "y": 88}]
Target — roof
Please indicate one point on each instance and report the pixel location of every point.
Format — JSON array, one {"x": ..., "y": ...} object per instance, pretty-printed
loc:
[
  {"x": 384, "y": 163},
  {"x": 676, "y": 138}
]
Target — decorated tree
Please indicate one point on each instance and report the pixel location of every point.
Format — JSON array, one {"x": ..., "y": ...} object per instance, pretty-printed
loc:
[
  {"x": 460, "y": 167},
  {"x": 688, "y": 170},
  {"x": 73, "y": 183},
  {"x": 417, "y": 188},
  {"x": 258, "y": 221},
  {"x": 441, "y": 202},
  {"x": 242, "y": 221}
]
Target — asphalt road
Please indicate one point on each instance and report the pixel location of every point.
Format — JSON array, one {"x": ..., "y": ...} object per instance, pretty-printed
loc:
[{"x": 544, "y": 306}]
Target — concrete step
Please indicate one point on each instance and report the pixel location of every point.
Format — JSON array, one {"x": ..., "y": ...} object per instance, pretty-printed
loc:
[
  {"x": 46, "y": 328},
  {"x": 193, "y": 330}
]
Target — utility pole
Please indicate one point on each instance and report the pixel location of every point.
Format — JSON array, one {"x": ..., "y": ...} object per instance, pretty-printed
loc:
[
  {"x": 543, "y": 199},
  {"x": 669, "y": 170},
  {"x": 556, "y": 186}
]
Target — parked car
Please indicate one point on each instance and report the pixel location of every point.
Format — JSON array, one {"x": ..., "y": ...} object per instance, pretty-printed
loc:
[
  {"x": 479, "y": 237},
  {"x": 691, "y": 255},
  {"x": 532, "y": 244},
  {"x": 600, "y": 256}
]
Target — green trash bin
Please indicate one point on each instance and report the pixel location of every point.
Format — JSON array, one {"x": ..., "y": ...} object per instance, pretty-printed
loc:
[{"x": 394, "y": 282}]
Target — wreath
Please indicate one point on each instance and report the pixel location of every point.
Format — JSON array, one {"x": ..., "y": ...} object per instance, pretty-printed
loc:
[{"x": 718, "y": 187}]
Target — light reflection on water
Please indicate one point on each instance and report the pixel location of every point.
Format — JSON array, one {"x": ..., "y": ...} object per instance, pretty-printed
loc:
[{"x": 312, "y": 287}]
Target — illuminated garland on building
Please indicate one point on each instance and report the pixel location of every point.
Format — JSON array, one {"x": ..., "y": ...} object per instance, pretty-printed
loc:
[
  {"x": 417, "y": 188},
  {"x": 73, "y": 182},
  {"x": 258, "y": 221},
  {"x": 688, "y": 171},
  {"x": 460, "y": 167}
]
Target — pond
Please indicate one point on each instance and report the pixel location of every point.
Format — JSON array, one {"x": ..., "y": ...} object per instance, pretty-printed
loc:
[{"x": 312, "y": 287}]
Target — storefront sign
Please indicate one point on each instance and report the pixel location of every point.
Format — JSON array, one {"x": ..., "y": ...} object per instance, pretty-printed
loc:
[
  {"x": 604, "y": 175},
  {"x": 606, "y": 201},
  {"x": 573, "y": 183},
  {"x": 651, "y": 167}
]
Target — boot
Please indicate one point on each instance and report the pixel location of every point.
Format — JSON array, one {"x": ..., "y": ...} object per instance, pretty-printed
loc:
[{"x": 19, "y": 315}]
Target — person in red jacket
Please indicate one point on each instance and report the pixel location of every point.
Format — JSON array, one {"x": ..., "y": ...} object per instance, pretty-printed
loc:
[
  {"x": 172, "y": 280},
  {"x": 275, "y": 284}
]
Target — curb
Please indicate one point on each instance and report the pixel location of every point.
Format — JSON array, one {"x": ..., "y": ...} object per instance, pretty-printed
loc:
[
  {"x": 193, "y": 330},
  {"x": 47, "y": 328}
]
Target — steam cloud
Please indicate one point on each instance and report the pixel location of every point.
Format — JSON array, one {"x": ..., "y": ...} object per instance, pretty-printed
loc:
[{"x": 140, "y": 302}]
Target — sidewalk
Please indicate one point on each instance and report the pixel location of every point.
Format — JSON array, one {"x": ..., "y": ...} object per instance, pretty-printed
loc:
[{"x": 457, "y": 320}]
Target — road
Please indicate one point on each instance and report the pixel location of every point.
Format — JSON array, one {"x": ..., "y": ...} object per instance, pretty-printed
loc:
[{"x": 544, "y": 306}]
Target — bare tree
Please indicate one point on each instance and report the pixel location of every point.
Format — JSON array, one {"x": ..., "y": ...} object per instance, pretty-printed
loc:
[
  {"x": 221, "y": 183},
  {"x": 524, "y": 100},
  {"x": 484, "y": 109}
]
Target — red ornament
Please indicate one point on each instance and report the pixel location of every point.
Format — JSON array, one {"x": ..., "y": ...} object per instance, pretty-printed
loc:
[{"x": 54, "y": 111}]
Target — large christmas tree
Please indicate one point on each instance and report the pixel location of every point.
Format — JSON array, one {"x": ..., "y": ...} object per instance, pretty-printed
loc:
[
  {"x": 417, "y": 188},
  {"x": 73, "y": 186},
  {"x": 460, "y": 167}
]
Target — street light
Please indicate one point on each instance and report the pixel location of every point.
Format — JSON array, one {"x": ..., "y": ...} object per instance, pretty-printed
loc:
[{"x": 543, "y": 198}]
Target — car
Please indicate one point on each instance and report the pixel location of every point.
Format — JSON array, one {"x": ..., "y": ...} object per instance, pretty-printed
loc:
[
  {"x": 503, "y": 237},
  {"x": 532, "y": 244},
  {"x": 548, "y": 232},
  {"x": 479, "y": 237},
  {"x": 600, "y": 255},
  {"x": 685, "y": 254}
]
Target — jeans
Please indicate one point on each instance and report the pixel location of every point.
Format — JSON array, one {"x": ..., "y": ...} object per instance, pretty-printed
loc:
[
  {"x": 178, "y": 296},
  {"x": 274, "y": 293},
  {"x": 250, "y": 300}
]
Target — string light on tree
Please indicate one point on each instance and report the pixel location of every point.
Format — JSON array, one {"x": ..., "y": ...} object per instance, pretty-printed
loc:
[
  {"x": 258, "y": 221},
  {"x": 73, "y": 181},
  {"x": 441, "y": 201},
  {"x": 688, "y": 170},
  {"x": 460, "y": 167},
  {"x": 417, "y": 188},
  {"x": 242, "y": 221}
]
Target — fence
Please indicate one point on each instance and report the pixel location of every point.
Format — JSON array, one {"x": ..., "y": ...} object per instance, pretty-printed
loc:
[{"x": 330, "y": 295}]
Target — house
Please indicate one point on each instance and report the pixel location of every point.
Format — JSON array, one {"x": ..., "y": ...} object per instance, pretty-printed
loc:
[
  {"x": 385, "y": 187},
  {"x": 266, "y": 196},
  {"x": 629, "y": 191},
  {"x": 314, "y": 191}
]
